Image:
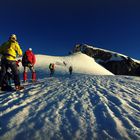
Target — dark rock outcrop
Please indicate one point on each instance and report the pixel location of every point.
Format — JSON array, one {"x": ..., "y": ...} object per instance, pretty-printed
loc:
[{"x": 114, "y": 62}]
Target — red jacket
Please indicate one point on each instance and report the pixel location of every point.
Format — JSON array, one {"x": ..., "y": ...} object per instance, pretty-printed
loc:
[{"x": 31, "y": 57}]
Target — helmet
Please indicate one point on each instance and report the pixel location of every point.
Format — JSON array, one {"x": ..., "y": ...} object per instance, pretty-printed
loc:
[
  {"x": 13, "y": 37},
  {"x": 30, "y": 49}
]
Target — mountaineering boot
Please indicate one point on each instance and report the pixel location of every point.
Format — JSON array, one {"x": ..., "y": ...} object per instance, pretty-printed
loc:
[
  {"x": 33, "y": 77},
  {"x": 19, "y": 87},
  {"x": 25, "y": 76}
]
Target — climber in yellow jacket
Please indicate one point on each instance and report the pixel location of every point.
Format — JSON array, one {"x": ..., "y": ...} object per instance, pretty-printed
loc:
[
  {"x": 11, "y": 48},
  {"x": 9, "y": 51}
]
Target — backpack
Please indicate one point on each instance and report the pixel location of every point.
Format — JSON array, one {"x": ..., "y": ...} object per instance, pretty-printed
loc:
[
  {"x": 25, "y": 60},
  {"x": 51, "y": 66}
]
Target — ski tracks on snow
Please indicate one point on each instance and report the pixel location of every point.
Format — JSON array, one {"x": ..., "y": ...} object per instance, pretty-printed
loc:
[{"x": 77, "y": 107}]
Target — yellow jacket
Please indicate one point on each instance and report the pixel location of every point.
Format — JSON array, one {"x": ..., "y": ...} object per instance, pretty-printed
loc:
[{"x": 10, "y": 50}]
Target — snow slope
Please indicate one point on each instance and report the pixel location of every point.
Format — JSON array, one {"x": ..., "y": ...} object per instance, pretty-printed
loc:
[
  {"x": 92, "y": 104},
  {"x": 81, "y": 107},
  {"x": 80, "y": 62}
]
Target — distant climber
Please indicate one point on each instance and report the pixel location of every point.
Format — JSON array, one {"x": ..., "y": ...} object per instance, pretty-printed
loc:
[
  {"x": 64, "y": 63},
  {"x": 70, "y": 70},
  {"x": 28, "y": 62},
  {"x": 52, "y": 69}
]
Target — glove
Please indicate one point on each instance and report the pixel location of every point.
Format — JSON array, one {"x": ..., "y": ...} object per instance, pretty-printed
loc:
[{"x": 30, "y": 65}]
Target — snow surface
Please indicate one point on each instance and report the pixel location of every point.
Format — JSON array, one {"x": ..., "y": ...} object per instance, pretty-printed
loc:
[
  {"x": 77, "y": 107},
  {"x": 80, "y": 62}
]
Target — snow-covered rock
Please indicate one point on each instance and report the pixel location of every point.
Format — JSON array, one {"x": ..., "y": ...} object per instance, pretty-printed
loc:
[{"x": 115, "y": 62}]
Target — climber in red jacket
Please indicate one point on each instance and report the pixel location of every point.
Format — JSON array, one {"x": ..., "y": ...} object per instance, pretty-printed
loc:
[{"x": 28, "y": 62}]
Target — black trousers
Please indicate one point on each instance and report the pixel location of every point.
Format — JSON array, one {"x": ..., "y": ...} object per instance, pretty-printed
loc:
[
  {"x": 7, "y": 79},
  {"x": 5, "y": 64},
  {"x": 51, "y": 72}
]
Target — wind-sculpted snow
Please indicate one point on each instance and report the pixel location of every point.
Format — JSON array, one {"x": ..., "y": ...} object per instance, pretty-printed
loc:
[{"x": 80, "y": 107}]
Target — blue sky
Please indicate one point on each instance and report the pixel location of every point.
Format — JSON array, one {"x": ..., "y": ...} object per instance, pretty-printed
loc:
[{"x": 54, "y": 27}]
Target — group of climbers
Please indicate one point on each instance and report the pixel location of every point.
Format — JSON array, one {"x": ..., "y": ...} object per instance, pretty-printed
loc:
[
  {"x": 52, "y": 69},
  {"x": 9, "y": 51},
  {"x": 10, "y": 65}
]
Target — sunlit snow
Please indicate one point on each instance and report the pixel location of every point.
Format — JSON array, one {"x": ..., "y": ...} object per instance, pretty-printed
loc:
[{"x": 92, "y": 104}]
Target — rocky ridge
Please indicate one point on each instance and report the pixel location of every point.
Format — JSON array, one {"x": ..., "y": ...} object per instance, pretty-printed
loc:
[{"x": 116, "y": 63}]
